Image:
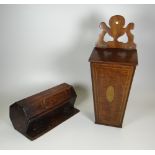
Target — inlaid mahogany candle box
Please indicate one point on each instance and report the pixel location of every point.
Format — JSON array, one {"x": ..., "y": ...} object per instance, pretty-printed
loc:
[
  {"x": 35, "y": 115},
  {"x": 113, "y": 64}
]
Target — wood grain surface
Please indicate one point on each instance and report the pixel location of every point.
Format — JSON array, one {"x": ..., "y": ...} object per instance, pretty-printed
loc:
[{"x": 116, "y": 30}]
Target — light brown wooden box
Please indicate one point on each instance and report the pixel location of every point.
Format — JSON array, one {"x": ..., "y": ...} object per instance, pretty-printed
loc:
[
  {"x": 112, "y": 72},
  {"x": 113, "y": 64}
]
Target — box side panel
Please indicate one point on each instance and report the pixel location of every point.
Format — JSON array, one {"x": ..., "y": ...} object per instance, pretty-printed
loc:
[
  {"x": 94, "y": 89},
  {"x": 111, "y": 85}
]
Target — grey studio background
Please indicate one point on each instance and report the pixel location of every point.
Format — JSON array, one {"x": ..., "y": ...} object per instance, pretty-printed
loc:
[{"x": 44, "y": 45}]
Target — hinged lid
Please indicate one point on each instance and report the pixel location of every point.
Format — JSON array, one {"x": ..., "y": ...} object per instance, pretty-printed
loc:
[{"x": 114, "y": 55}]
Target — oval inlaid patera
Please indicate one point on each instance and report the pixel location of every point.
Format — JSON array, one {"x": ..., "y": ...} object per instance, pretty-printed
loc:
[{"x": 110, "y": 93}]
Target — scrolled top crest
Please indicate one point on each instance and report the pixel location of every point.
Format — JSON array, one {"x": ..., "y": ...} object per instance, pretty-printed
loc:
[{"x": 116, "y": 30}]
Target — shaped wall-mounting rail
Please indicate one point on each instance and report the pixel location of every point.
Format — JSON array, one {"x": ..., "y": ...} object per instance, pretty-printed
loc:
[{"x": 116, "y": 30}]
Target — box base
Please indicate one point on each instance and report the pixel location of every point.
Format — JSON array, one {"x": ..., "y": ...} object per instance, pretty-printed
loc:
[
  {"x": 118, "y": 126},
  {"x": 39, "y": 127}
]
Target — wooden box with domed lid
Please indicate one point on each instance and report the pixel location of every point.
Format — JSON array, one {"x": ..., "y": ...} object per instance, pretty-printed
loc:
[
  {"x": 39, "y": 113},
  {"x": 113, "y": 64}
]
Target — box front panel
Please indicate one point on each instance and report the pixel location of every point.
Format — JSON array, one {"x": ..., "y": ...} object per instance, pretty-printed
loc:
[{"x": 111, "y": 85}]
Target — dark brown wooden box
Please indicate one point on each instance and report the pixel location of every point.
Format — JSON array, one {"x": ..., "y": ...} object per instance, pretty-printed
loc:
[{"x": 35, "y": 115}]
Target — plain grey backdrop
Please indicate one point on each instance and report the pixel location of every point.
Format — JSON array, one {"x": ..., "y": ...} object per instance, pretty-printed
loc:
[{"x": 45, "y": 45}]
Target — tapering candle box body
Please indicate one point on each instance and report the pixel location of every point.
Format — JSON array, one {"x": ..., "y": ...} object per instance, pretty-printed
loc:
[
  {"x": 37, "y": 114},
  {"x": 112, "y": 72},
  {"x": 113, "y": 64}
]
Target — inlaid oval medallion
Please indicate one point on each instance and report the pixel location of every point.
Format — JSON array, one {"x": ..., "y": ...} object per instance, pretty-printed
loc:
[{"x": 110, "y": 93}]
